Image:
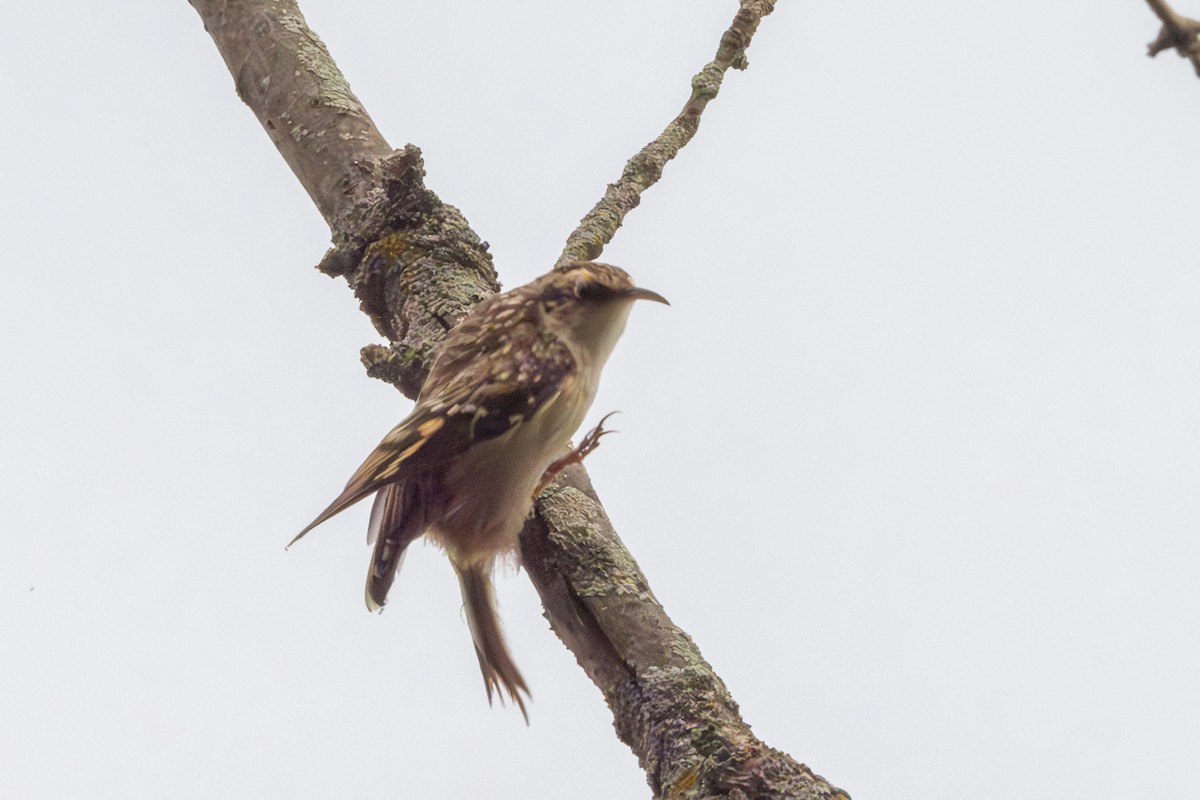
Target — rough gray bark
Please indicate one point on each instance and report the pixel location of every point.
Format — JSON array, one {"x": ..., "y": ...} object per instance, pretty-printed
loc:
[{"x": 417, "y": 267}]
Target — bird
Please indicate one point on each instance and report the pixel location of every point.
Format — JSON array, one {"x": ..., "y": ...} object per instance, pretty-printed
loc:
[{"x": 507, "y": 389}]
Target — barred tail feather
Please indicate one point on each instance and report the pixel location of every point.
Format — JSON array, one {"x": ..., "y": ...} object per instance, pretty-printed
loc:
[{"x": 499, "y": 669}]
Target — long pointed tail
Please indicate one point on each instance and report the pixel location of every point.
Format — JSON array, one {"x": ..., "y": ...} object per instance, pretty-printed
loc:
[{"x": 479, "y": 600}]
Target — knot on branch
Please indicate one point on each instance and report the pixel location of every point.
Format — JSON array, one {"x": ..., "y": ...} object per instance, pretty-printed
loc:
[
  {"x": 414, "y": 264},
  {"x": 399, "y": 369},
  {"x": 707, "y": 82},
  {"x": 646, "y": 168},
  {"x": 396, "y": 198}
]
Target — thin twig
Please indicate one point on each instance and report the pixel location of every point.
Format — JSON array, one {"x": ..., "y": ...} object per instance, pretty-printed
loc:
[{"x": 599, "y": 225}]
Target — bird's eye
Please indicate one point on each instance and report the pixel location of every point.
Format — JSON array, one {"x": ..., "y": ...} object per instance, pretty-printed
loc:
[{"x": 590, "y": 290}]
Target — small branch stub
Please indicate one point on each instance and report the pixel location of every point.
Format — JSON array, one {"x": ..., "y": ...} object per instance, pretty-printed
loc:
[{"x": 1178, "y": 33}]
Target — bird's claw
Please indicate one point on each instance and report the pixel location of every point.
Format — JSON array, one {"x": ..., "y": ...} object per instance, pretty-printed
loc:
[
  {"x": 590, "y": 441},
  {"x": 586, "y": 446}
]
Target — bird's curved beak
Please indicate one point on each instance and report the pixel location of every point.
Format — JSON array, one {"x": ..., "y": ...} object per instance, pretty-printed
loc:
[{"x": 638, "y": 293}]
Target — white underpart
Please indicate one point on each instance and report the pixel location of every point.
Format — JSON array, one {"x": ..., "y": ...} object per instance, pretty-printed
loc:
[{"x": 500, "y": 475}]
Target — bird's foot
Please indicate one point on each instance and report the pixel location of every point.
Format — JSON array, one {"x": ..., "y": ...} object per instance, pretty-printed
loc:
[{"x": 586, "y": 445}]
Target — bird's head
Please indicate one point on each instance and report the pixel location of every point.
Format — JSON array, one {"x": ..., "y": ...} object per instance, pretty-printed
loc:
[{"x": 586, "y": 303}]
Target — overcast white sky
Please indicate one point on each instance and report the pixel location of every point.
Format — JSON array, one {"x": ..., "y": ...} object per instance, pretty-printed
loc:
[{"x": 914, "y": 455}]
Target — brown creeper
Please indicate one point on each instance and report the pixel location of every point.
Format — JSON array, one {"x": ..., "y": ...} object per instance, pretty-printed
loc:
[{"x": 508, "y": 388}]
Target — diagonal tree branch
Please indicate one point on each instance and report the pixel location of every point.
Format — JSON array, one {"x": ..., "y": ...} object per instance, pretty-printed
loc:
[
  {"x": 417, "y": 267},
  {"x": 1178, "y": 32},
  {"x": 413, "y": 261}
]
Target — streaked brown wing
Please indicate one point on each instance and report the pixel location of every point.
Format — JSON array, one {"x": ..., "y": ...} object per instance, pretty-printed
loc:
[
  {"x": 463, "y": 402},
  {"x": 419, "y": 441}
]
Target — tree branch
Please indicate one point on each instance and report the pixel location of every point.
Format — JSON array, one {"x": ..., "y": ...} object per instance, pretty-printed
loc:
[
  {"x": 599, "y": 225},
  {"x": 668, "y": 705},
  {"x": 413, "y": 261},
  {"x": 417, "y": 267},
  {"x": 1178, "y": 32}
]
